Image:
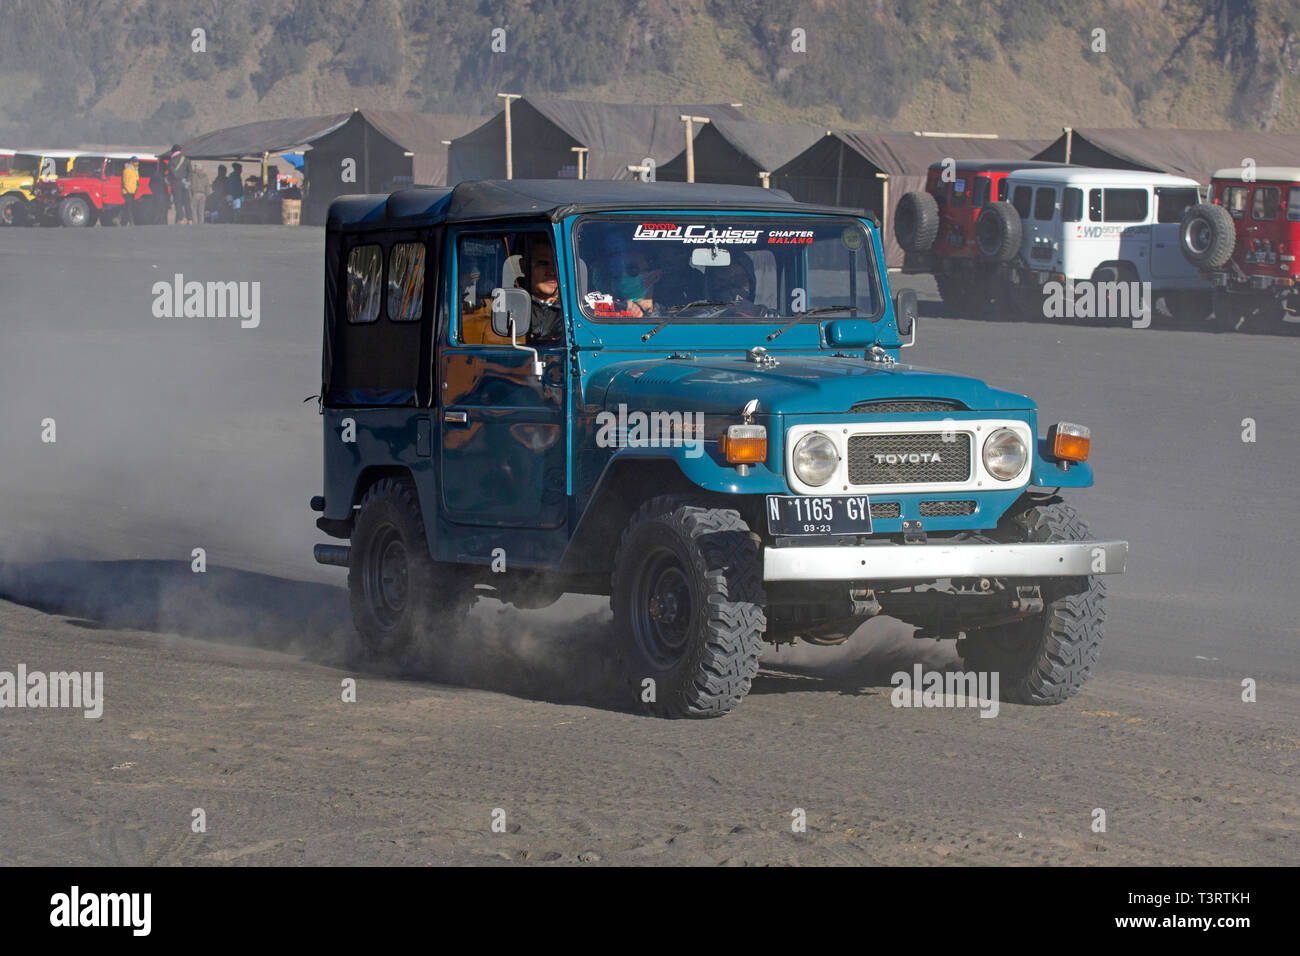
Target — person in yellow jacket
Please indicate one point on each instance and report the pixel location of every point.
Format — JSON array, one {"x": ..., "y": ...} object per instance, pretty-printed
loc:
[{"x": 130, "y": 185}]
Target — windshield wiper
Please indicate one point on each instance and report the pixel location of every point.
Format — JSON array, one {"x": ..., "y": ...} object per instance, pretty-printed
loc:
[
  {"x": 672, "y": 313},
  {"x": 804, "y": 315}
]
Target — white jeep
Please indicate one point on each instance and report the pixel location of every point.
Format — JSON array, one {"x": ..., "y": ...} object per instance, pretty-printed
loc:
[{"x": 1063, "y": 232}]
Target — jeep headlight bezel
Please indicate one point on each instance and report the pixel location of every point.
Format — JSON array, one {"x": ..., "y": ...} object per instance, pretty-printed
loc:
[
  {"x": 1005, "y": 455},
  {"x": 815, "y": 460}
]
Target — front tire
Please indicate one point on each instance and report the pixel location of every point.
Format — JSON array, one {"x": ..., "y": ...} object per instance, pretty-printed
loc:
[
  {"x": 395, "y": 588},
  {"x": 75, "y": 211},
  {"x": 687, "y": 597},
  {"x": 1046, "y": 658}
]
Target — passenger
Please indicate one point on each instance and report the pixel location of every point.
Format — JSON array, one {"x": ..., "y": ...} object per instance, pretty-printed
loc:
[{"x": 631, "y": 281}]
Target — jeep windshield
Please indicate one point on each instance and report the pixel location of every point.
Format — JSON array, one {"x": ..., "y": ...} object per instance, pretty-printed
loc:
[{"x": 733, "y": 269}]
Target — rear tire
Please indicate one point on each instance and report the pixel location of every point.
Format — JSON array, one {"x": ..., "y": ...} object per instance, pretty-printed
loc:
[
  {"x": 1207, "y": 236},
  {"x": 687, "y": 597},
  {"x": 916, "y": 221},
  {"x": 998, "y": 232},
  {"x": 396, "y": 589},
  {"x": 1046, "y": 658}
]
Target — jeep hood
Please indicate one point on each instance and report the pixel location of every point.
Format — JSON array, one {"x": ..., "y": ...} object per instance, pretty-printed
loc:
[{"x": 799, "y": 384}]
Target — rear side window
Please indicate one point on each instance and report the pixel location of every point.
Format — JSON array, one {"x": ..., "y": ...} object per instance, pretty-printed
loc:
[
  {"x": 959, "y": 192},
  {"x": 365, "y": 264},
  {"x": 1234, "y": 200},
  {"x": 981, "y": 190},
  {"x": 1044, "y": 203},
  {"x": 1124, "y": 205},
  {"x": 1293, "y": 205},
  {"x": 1072, "y": 205},
  {"x": 1265, "y": 202},
  {"x": 406, "y": 281},
  {"x": 1023, "y": 198},
  {"x": 1002, "y": 190},
  {"x": 1094, "y": 205},
  {"x": 1172, "y": 203}
]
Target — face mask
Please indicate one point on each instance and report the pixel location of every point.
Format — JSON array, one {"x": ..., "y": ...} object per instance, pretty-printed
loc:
[{"x": 629, "y": 287}]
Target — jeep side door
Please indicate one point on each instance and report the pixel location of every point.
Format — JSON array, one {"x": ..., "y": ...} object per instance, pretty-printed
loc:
[{"x": 503, "y": 442}]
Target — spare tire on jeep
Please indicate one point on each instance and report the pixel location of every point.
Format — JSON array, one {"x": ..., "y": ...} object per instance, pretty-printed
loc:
[
  {"x": 998, "y": 231},
  {"x": 916, "y": 221},
  {"x": 1207, "y": 236}
]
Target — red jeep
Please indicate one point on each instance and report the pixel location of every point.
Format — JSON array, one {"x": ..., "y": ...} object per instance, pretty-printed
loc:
[
  {"x": 1244, "y": 239},
  {"x": 92, "y": 191},
  {"x": 936, "y": 228}
]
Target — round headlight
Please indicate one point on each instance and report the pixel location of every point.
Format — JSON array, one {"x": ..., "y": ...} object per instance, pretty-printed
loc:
[
  {"x": 815, "y": 459},
  {"x": 1005, "y": 454}
]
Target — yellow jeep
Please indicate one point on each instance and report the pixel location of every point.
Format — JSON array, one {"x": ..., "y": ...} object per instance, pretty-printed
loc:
[{"x": 26, "y": 169}]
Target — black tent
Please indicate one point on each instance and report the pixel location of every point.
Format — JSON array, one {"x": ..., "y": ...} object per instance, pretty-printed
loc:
[
  {"x": 545, "y": 131},
  {"x": 1195, "y": 153},
  {"x": 736, "y": 151},
  {"x": 390, "y": 149}
]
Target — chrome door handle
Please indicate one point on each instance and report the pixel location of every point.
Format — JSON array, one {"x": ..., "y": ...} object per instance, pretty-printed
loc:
[{"x": 456, "y": 418}]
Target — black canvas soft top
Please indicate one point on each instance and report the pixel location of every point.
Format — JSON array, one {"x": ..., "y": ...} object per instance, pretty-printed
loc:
[{"x": 554, "y": 199}]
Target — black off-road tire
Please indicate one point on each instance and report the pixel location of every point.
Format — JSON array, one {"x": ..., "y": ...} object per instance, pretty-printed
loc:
[
  {"x": 1046, "y": 658},
  {"x": 998, "y": 231},
  {"x": 687, "y": 596},
  {"x": 75, "y": 211},
  {"x": 397, "y": 591},
  {"x": 11, "y": 210},
  {"x": 1207, "y": 236},
  {"x": 916, "y": 221}
]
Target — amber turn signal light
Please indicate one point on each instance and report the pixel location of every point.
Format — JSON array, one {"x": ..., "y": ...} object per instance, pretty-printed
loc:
[
  {"x": 744, "y": 444},
  {"x": 1069, "y": 442}
]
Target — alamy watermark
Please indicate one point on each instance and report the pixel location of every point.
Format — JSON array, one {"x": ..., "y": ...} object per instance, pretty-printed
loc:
[
  {"x": 1098, "y": 300},
  {"x": 923, "y": 688},
  {"x": 179, "y": 299},
  {"x": 637, "y": 429},
  {"x": 74, "y": 689}
]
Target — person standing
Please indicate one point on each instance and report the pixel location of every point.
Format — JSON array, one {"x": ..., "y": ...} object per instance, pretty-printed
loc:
[
  {"x": 130, "y": 186},
  {"x": 178, "y": 178},
  {"x": 235, "y": 187},
  {"x": 199, "y": 189}
]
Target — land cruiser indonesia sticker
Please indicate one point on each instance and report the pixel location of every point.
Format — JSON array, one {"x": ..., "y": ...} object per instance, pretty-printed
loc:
[{"x": 696, "y": 234}]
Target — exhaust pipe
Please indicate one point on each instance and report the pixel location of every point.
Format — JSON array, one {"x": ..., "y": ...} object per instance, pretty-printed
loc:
[{"x": 339, "y": 555}]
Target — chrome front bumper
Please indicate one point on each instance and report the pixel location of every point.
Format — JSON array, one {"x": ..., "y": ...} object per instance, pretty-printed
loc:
[{"x": 925, "y": 562}]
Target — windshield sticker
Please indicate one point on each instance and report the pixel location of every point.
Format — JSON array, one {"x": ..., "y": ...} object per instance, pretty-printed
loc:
[
  {"x": 790, "y": 236},
  {"x": 852, "y": 239},
  {"x": 696, "y": 234}
]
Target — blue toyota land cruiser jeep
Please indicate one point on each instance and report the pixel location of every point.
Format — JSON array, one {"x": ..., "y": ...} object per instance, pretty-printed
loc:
[{"x": 689, "y": 398}]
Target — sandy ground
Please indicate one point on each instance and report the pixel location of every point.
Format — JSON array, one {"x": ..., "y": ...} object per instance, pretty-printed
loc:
[{"x": 223, "y": 690}]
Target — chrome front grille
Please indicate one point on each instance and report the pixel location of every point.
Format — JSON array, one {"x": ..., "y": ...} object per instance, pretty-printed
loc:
[{"x": 882, "y": 459}]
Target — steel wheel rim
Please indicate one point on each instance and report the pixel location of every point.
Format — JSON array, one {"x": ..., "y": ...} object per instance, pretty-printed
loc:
[
  {"x": 664, "y": 608},
  {"x": 387, "y": 575}
]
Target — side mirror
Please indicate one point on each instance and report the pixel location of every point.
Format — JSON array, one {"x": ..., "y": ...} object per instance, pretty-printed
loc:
[
  {"x": 905, "y": 312},
  {"x": 512, "y": 312}
]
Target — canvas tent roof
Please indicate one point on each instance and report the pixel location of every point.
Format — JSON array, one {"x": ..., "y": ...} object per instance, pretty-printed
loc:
[
  {"x": 555, "y": 199},
  {"x": 758, "y": 147},
  {"x": 1183, "y": 152},
  {"x": 264, "y": 136},
  {"x": 616, "y": 135}
]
